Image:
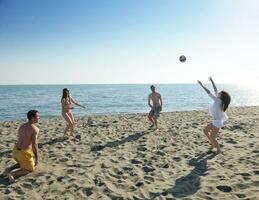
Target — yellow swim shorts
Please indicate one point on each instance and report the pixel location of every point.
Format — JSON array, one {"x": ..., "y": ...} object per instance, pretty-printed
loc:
[{"x": 24, "y": 158}]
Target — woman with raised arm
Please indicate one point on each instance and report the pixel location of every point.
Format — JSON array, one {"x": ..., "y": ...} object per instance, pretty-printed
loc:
[
  {"x": 220, "y": 104},
  {"x": 66, "y": 102}
]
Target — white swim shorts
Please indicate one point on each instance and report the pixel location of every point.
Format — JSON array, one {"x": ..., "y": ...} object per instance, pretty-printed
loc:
[{"x": 217, "y": 123}]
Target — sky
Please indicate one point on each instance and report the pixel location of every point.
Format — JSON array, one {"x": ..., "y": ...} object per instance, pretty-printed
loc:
[{"x": 128, "y": 41}]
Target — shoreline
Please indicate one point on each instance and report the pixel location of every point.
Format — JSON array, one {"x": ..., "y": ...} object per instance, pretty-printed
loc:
[
  {"x": 122, "y": 114},
  {"x": 119, "y": 157}
]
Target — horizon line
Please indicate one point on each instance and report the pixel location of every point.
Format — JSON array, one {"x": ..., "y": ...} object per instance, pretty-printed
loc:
[{"x": 28, "y": 84}]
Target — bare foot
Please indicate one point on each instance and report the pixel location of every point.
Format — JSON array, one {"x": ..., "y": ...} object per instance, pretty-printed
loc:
[
  {"x": 214, "y": 150},
  {"x": 65, "y": 134},
  {"x": 218, "y": 151},
  {"x": 11, "y": 178},
  {"x": 210, "y": 150}
]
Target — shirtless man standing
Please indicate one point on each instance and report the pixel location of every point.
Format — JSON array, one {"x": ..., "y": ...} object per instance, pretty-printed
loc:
[
  {"x": 156, "y": 106},
  {"x": 25, "y": 149}
]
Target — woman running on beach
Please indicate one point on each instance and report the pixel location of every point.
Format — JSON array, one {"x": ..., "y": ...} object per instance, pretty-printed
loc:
[
  {"x": 217, "y": 111},
  {"x": 66, "y": 102}
]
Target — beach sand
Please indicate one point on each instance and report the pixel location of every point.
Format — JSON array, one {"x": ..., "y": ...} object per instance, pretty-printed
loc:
[{"x": 119, "y": 157}]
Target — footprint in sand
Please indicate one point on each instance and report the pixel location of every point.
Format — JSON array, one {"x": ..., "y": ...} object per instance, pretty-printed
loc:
[
  {"x": 7, "y": 191},
  {"x": 255, "y": 151},
  {"x": 74, "y": 187},
  {"x": 103, "y": 166},
  {"x": 149, "y": 178},
  {"x": 251, "y": 145},
  {"x": 98, "y": 181},
  {"x": 135, "y": 161},
  {"x": 32, "y": 180},
  {"x": 224, "y": 188},
  {"x": 60, "y": 178},
  {"x": 160, "y": 153},
  {"x": 246, "y": 176},
  {"x": 51, "y": 182},
  {"x": 127, "y": 168},
  {"x": 241, "y": 196},
  {"x": 69, "y": 155},
  {"x": 60, "y": 146},
  {"x": 114, "y": 197},
  {"x": 142, "y": 148},
  {"x": 48, "y": 177},
  {"x": 177, "y": 159},
  {"x": 141, "y": 154},
  {"x": 161, "y": 147},
  {"x": 154, "y": 158},
  {"x": 121, "y": 181},
  {"x": 88, "y": 191},
  {"x": 195, "y": 125},
  {"x": 196, "y": 142},
  {"x": 27, "y": 185},
  {"x": 173, "y": 144},
  {"x": 165, "y": 166},
  {"x": 133, "y": 188},
  {"x": 148, "y": 168},
  {"x": 221, "y": 177},
  {"x": 231, "y": 141},
  {"x": 70, "y": 171},
  {"x": 139, "y": 184},
  {"x": 78, "y": 137},
  {"x": 97, "y": 147},
  {"x": 63, "y": 159},
  {"x": 19, "y": 190},
  {"x": 186, "y": 156}
]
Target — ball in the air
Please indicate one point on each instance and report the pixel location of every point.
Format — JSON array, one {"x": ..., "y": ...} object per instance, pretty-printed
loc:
[{"x": 182, "y": 58}]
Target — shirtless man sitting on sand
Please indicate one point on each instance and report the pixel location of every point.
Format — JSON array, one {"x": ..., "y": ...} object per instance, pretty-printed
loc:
[
  {"x": 25, "y": 149},
  {"x": 156, "y": 106}
]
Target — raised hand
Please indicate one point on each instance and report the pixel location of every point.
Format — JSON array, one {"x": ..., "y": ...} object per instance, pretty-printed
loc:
[
  {"x": 213, "y": 84},
  {"x": 203, "y": 87}
]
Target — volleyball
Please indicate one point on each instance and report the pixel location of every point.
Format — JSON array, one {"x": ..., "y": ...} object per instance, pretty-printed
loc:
[{"x": 182, "y": 58}]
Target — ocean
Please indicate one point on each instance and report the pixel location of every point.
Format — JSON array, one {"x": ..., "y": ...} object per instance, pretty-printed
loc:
[{"x": 108, "y": 99}]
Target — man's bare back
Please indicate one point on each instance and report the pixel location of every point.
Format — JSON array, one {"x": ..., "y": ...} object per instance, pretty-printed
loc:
[
  {"x": 27, "y": 136},
  {"x": 26, "y": 149}
]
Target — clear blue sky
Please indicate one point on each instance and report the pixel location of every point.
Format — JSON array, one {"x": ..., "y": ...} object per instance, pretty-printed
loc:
[{"x": 128, "y": 41}]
